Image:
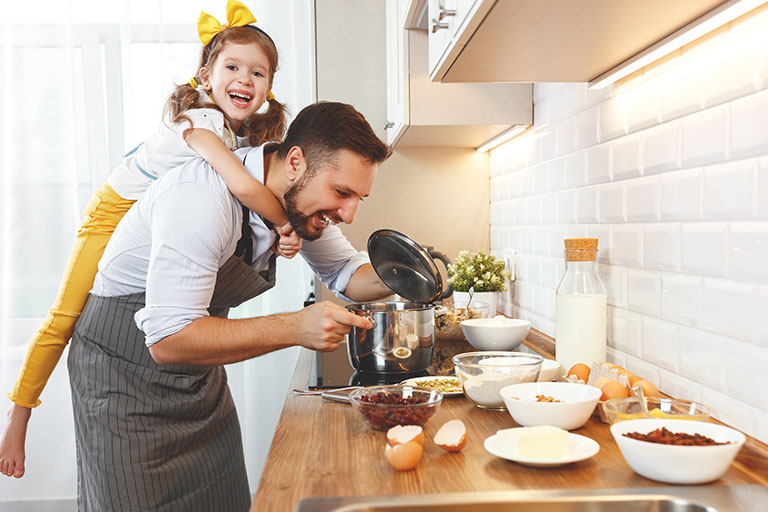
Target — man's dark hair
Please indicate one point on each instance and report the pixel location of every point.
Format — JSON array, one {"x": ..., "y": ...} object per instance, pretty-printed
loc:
[{"x": 323, "y": 128}]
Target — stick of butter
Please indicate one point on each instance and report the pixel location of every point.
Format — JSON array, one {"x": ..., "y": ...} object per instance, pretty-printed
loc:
[{"x": 540, "y": 442}]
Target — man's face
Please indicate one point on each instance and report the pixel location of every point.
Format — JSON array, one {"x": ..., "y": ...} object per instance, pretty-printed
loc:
[{"x": 330, "y": 195}]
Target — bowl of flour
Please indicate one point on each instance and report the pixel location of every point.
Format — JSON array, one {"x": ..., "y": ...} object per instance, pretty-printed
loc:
[{"x": 484, "y": 374}]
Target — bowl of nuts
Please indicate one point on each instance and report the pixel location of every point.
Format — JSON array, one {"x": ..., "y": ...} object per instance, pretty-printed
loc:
[{"x": 383, "y": 407}]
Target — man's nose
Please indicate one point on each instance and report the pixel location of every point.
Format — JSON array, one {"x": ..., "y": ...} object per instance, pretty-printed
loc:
[{"x": 348, "y": 209}]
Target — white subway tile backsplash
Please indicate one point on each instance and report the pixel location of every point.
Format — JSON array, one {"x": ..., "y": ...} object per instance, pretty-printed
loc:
[
  {"x": 575, "y": 175},
  {"x": 586, "y": 204},
  {"x": 644, "y": 291},
  {"x": 644, "y": 199},
  {"x": 746, "y": 375},
  {"x": 626, "y": 158},
  {"x": 749, "y": 251},
  {"x": 670, "y": 172},
  {"x": 625, "y": 331},
  {"x": 705, "y": 248},
  {"x": 611, "y": 199},
  {"x": 586, "y": 128},
  {"x": 729, "y": 308},
  {"x": 680, "y": 195},
  {"x": 749, "y": 129},
  {"x": 661, "y": 246},
  {"x": 681, "y": 90},
  {"x": 643, "y": 104},
  {"x": 704, "y": 137},
  {"x": 661, "y": 343},
  {"x": 615, "y": 281},
  {"x": 703, "y": 356},
  {"x": 613, "y": 119},
  {"x": 661, "y": 148},
  {"x": 729, "y": 78},
  {"x": 598, "y": 164},
  {"x": 627, "y": 245},
  {"x": 681, "y": 298},
  {"x": 727, "y": 190}
]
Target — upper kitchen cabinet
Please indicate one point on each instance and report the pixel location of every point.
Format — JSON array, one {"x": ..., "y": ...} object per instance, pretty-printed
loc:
[
  {"x": 425, "y": 114},
  {"x": 545, "y": 40}
]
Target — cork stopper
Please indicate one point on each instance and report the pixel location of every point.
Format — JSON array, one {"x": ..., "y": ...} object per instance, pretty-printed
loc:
[{"x": 580, "y": 249}]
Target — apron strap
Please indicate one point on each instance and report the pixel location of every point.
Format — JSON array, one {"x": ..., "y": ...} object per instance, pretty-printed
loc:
[{"x": 244, "y": 247}]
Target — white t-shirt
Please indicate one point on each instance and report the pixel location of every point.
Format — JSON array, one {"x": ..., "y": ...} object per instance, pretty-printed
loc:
[
  {"x": 173, "y": 241},
  {"x": 166, "y": 149}
]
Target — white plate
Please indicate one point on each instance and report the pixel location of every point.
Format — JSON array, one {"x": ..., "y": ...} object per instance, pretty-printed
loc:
[
  {"x": 414, "y": 381},
  {"x": 582, "y": 448}
]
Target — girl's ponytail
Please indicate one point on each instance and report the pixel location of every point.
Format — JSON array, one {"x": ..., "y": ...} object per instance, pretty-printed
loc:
[
  {"x": 183, "y": 98},
  {"x": 269, "y": 126}
]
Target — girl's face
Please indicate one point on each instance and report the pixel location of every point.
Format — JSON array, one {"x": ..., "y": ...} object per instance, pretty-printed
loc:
[{"x": 238, "y": 81}]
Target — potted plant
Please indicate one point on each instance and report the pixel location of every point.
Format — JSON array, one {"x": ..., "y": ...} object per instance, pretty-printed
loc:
[{"x": 481, "y": 271}]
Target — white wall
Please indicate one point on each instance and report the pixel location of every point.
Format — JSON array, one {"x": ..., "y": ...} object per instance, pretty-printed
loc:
[{"x": 670, "y": 172}]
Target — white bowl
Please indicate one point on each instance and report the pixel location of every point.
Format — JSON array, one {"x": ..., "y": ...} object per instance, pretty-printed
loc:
[
  {"x": 577, "y": 401},
  {"x": 548, "y": 370},
  {"x": 499, "y": 333},
  {"x": 678, "y": 464}
]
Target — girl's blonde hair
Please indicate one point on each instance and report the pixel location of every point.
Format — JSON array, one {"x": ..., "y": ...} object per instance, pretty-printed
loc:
[{"x": 259, "y": 128}]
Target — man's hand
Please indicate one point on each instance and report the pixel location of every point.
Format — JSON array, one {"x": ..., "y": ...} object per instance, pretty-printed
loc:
[{"x": 324, "y": 325}]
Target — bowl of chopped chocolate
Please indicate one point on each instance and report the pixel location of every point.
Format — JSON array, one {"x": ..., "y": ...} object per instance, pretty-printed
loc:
[
  {"x": 677, "y": 451},
  {"x": 383, "y": 407}
]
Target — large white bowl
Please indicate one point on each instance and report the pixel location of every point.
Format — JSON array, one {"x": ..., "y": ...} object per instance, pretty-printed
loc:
[
  {"x": 495, "y": 333},
  {"x": 577, "y": 401},
  {"x": 678, "y": 464}
]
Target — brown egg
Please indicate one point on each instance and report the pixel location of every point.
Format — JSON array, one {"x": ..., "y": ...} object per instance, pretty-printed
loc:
[
  {"x": 400, "y": 434},
  {"x": 634, "y": 378},
  {"x": 580, "y": 370},
  {"x": 403, "y": 457},
  {"x": 648, "y": 388},
  {"x": 600, "y": 381},
  {"x": 613, "y": 389},
  {"x": 452, "y": 436}
]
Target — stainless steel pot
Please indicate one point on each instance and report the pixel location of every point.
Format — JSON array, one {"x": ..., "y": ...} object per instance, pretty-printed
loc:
[{"x": 402, "y": 339}]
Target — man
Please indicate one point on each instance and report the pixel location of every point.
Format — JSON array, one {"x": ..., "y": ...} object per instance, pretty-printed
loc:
[{"x": 155, "y": 425}]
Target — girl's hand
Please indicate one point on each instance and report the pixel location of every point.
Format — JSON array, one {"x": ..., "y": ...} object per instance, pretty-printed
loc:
[{"x": 288, "y": 243}]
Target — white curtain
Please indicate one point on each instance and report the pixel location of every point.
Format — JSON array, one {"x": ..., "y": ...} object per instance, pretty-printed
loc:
[{"x": 83, "y": 84}]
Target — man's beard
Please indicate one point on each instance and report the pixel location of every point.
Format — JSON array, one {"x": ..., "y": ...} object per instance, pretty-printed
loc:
[{"x": 298, "y": 220}]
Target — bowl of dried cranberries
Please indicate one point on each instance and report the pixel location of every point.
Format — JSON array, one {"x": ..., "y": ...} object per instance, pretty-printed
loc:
[{"x": 383, "y": 407}]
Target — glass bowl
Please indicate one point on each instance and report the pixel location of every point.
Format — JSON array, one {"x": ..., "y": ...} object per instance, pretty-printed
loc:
[
  {"x": 448, "y": 318},
  {"x": 622, "y": 409},
  {"x": 383, "y": 407},
  {"x": 483, "y": 374}
]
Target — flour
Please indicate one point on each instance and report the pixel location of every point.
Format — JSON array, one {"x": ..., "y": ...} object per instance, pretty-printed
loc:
[{"x": 485, "y": 389}]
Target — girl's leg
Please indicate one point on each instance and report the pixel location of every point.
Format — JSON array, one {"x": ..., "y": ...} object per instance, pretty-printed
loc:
[
  {"x": 101, "y": 216},
  {"x": 12, "y": 441}
]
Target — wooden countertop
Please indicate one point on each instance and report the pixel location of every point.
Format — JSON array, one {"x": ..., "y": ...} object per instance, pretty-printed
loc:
[{"x": 324, "y": 448}]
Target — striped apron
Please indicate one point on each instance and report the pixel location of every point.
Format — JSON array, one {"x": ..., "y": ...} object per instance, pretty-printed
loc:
[{"x": 151, "y": 437}]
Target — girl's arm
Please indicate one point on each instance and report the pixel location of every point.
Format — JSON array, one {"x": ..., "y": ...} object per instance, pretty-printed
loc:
[{"x": 256, "y": 196}]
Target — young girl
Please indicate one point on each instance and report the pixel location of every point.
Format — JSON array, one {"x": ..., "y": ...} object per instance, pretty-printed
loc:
[{"x": 210, "y": 116}]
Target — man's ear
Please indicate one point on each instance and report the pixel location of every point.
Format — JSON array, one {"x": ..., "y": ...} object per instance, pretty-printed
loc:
[{"x": 295, "y": 163}]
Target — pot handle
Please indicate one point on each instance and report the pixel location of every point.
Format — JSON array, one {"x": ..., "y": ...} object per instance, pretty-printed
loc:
[{"x": 448, "y": 291}]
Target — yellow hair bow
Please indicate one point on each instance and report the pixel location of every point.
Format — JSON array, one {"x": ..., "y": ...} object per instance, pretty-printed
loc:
[{"x": 238, "y": 15}]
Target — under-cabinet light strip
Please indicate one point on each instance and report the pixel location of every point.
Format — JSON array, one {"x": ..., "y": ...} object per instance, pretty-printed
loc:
[
  {"x": 503, "y": 137},
  {"x": 714, "y": 19}
]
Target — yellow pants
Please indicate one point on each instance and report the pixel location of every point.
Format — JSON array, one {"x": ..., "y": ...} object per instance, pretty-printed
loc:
[{"x": 101, "y": 216}]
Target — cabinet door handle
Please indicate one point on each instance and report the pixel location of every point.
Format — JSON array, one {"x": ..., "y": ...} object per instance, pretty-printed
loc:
[
  {"x": 444, "y": 13},
  {"x": 388, "y": 125},
  {"x": 438, "y": 25}
]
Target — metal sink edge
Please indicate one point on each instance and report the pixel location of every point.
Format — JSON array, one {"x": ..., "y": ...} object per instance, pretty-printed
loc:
[{"x": 709, "y": 498}]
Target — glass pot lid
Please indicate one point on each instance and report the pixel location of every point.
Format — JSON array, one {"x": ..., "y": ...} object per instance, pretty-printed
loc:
[{"x": 404, "y": 266}]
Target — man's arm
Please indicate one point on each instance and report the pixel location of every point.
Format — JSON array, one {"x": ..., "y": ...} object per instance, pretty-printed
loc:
[
  {"x": 365, "y": 285},
  {"x": 215, "y": 341}
]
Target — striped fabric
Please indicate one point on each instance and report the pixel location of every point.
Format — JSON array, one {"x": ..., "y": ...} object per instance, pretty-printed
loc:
[{"x": 149, "y": 437}]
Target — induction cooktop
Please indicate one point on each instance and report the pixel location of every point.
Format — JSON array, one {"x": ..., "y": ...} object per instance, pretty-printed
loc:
[{"x": 333, "y": 370}]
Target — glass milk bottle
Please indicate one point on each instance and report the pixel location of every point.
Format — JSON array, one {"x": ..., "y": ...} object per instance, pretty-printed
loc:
[{"x": 581, "y": 307}]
